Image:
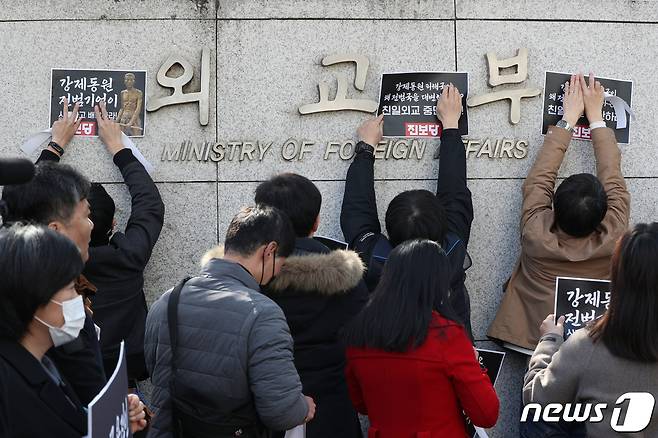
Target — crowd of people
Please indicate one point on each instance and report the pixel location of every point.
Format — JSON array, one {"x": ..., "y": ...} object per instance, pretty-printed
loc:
[{"x": 279, "y": 330}]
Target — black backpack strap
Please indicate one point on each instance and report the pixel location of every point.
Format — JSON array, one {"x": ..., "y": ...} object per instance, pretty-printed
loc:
[
  {"x": 172, "y": 322},
  {"x": 243, "y": 421}
]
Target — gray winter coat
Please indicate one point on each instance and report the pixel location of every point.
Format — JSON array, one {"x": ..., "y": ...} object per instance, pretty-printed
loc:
[{"x": 234, "y": 347}]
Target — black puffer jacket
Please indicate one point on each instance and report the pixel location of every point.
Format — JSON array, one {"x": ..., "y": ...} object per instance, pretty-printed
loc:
[{"x": 320, "y": 291}]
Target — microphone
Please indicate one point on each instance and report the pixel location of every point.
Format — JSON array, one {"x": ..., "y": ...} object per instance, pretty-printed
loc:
[{"x": 15, "y": 171}]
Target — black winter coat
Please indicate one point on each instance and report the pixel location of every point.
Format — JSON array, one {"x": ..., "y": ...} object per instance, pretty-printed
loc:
[
  {"x": 319, "y": 292},
  {"x": 117, "y": 271},
  {"x": 32, "y": 405}
]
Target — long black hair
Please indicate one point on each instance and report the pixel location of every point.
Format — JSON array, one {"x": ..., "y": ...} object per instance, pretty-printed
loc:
[
  {"x": 630, "y": 326},
  {"x": 415, "y": 282},
  {"x": 35, "y": 264}
]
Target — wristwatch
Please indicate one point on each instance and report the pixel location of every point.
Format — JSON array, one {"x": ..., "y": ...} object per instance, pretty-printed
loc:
[
  {"x": 564, "y": 125},
  {"x": 58, "y": 148},
  {"x": 363, "y": 146}
]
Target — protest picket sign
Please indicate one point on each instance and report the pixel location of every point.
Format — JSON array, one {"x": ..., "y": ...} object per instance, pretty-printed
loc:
[
  {"x": 580, "y": 301},
  {"x": 107, "y": 415},
  {"x": 123, "y": 92},
  {"x": 617, "y": 92},
  {"x": 297, "y": 432},
  {"x": 493, "y": 361},
  {"x": 408, "y": 102}
]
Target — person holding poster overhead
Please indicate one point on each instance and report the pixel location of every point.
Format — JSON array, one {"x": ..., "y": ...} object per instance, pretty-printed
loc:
[
  {"x": 444, "y": 217},
  {"x": 41, "y": 309},
  {"x": 616, "y": 354},
  {"x": 567, "y": 232}
]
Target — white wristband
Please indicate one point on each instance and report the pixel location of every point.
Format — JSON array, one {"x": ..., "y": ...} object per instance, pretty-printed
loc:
[{"x": 599, "y": 124}]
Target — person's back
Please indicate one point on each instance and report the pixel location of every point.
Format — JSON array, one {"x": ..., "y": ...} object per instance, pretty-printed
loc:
[
  {"x": 570, "y": 232},
  {"x": 217, "y": 312},
  {"x": 444, "y": 217},
  {"x": 316, "y": 292},
  {"x": 615, "y": 355},
  {"x": 234, "y": 367},
  {"x": 425, "y": 389},
  {"x": 319, "y": 292},
  {"x": 587, "y": 372},
  {"x": 411, "y": 367},
  {"x": 116, "y": 264}
]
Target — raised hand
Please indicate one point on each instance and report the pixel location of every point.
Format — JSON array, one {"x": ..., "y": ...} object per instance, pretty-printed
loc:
[
  {"x": 371, "y": 131},
  {"x": 64, "y": 129},
  {"x": 449, "y": 107},
  {"x": 573, "y": 101},
  {"x": 109, "y": 131},
  {"x": 593, "y": 98}
]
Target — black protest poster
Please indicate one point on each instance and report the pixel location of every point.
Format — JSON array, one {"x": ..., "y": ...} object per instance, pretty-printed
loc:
[
  {"x": 408, "y": 102},
  {"x": 107, "y": 415},
  {"x": 580, "y": 301},
  {"x": 123, "y": 91},
  {"x": 493, "y": 361},
  {"x": 553, "y": 109}
]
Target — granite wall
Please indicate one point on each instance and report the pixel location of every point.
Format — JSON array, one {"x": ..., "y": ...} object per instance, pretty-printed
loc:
[{"x": 266, "y": 62}]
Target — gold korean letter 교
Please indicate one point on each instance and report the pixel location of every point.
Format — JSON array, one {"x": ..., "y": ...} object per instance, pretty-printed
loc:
[
  {"x": 341, "y": 102},
  {"x": 178, "y": 96}
]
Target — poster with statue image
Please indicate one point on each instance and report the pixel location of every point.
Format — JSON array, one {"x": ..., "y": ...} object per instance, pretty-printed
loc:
[{"x": 122, "y": 91}]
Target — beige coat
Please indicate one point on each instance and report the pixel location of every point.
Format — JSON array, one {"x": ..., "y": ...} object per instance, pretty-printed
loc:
[{"x": 547, "y": 252}]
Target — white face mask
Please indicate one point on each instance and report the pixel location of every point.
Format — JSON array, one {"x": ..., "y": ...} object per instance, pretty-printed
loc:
[{"x": 74, "y": 319}]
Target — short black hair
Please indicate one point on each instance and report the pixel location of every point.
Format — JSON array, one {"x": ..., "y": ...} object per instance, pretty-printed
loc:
[
  {"x": 415, "y": 214},
  {"x": 102, "y": 209},
  {"x": 580, "y": 204},
  {"x": 296, "y": 196},
  {"x": 415, "y": 282},
  {"x": 52, "y": 194},
  {"x": 256, "y": 226},
  {"x": 36, "y": 263}
]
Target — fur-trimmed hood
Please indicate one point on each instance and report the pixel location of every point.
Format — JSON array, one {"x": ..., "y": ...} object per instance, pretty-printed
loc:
[
  {"x": 329, "y": 273},
  {"x": 319, "y": 273},
  {"x": 213, "y": 253}
]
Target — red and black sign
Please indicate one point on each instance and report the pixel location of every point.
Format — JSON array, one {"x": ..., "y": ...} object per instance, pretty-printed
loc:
[{"x": 408, "y": 102}]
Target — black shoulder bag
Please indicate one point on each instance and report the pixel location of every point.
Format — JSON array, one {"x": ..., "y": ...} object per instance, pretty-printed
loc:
[{"x": 243, "y": 422}]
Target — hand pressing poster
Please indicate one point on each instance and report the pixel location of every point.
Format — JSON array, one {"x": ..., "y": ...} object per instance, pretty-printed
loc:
[{"x": 619, "y": 93}]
